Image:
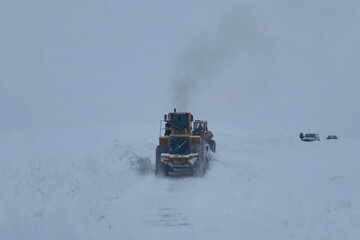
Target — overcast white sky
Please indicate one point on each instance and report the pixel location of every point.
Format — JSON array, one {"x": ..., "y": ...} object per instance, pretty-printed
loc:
[{"x": 276, "y": 63}]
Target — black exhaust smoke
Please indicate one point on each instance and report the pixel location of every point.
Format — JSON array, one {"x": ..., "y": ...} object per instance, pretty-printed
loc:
[{"x": 207, "y": 55}]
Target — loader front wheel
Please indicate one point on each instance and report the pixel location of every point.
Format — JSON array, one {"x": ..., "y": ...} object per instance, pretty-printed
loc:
[
  {"x": 159, "y": 168},
  {"x": 212, "y": 145}
]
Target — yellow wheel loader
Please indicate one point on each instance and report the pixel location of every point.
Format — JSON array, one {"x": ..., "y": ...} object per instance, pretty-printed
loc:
[{"x": 184, "y": 146}]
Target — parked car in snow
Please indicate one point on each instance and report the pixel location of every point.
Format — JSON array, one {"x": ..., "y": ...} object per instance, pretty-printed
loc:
[
  {"x": 332, "y": 137},
  {"x": 310, "y": 137}
]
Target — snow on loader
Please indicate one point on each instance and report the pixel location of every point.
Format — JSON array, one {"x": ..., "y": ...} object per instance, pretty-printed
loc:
[{"x": 184, "y": 149}]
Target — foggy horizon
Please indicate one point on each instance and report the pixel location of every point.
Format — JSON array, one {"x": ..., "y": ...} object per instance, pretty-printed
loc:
[{"x": 105, "y": 62}]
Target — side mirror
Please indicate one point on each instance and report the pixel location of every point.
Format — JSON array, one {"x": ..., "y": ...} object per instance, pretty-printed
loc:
[
  {"x": 192, "y": 118},
  {"x": 165, "y": 118},
  {"x": 207, "y": 148}
]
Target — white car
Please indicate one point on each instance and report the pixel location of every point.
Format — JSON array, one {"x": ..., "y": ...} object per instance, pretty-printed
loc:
[{"x": 311, "y": 137}]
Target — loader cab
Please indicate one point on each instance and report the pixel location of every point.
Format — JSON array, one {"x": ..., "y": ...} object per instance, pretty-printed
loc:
[
  {"x": 200, "y": 127},
  {"x": 180, "y": 122}
]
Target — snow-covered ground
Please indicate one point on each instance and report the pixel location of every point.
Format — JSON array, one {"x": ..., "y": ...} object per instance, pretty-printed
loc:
[
  {"x": 75, "y": 74},
  {"x": 88, "y": 184}
]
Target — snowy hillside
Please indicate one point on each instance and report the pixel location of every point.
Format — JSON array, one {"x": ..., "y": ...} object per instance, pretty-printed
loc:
[{"x": 80, "y": 185}]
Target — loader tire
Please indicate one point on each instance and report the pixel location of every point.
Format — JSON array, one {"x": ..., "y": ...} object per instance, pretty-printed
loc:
[
  {"x": 159, "y": 169},
  {"x": 212, "y": 145}
]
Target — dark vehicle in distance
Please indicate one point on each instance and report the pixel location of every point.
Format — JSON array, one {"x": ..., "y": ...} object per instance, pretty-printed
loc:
[{"x": 331, "y": 137}]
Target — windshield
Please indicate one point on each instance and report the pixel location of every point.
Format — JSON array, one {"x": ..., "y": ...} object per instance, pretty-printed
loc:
[{"x": 180, "y": 122}]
